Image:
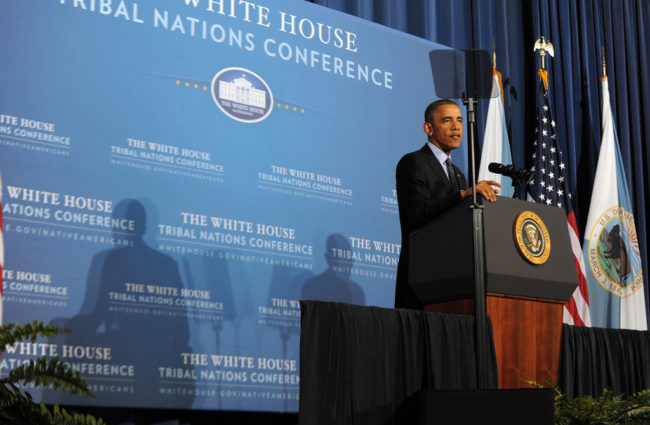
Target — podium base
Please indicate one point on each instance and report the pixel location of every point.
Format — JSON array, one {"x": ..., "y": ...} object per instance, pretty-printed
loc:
[{"x": 527, "y": 335}]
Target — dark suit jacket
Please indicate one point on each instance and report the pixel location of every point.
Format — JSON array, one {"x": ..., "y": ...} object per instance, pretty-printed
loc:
[{"x": 423, "y": 193}]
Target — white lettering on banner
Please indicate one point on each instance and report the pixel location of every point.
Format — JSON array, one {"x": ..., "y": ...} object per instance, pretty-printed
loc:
[
  {"x": 26, "y": 211},
  {"x": 37, "y": 125},
  {"x": 176, "y": 373},
  {"x": 53, "y": 198},
  {"x": 159, "y": 147},
  {"x": 134, "y": 287},
  {"x": 224, "y": 375},
  {"x": 195, "y": 293},
  {"x": 388, "y": 200},
  {"x": 20, "y": 281},
  {"x": 240, "y": 362},
  {"x": 277, "y": 364},
  {"x": 331, "y": 64},
  {"x": 276, "y": 231},
  {"x": 198, "y": 359},
  {"x": 247, "y": 11},
  {"x": 387, "y": 247},
  {"x": 28, "y": 276},
  {"x": 288, "y": 23},
  {"x": 251, "y": 11},
  {"x": 232, "y": 224},
  {"x": 34, "y": 288},
  {"x": 104, "y": 369},
  {"x": 273, "y": 238},
  {"x": 7, "y": 364},
  {"x": 381, "y": 246},
  {"x": 108, "y": 7},
  {"x": 27, "y": 123},
  {"x": 359, "y": 242},
  {"x": 304, "y": 27},
  {"x": 38, "y": 349},
  {"x": 177, "y": 231},
  {"x": 281, "y": 308},
  {"x": 87, "y": 352},
  {"x": 162, "y": 290},
  {"x": 281, "y": 302},
  {"x": 95, "y": 220},
  {"x": 102, "y": 207},
  {"x": 194, "y": 219},
  {"x": 308, "y": 181},
  {"x": 178, "y": 159},
  {"x": 33, "y": 195},
  {"x": 204, "y": 30},
  {"x": 275, "y": 378},
  {"x": 219, "y": 237},
  {"x": 8, "y": 119},
  {"x": 23, "y": 134},
  {"x": 292, "y": 312},
  {"x": 85, "y": 203}
]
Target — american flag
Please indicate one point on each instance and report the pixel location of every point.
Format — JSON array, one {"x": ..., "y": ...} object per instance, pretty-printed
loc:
[{"x": 551, "y": 187}]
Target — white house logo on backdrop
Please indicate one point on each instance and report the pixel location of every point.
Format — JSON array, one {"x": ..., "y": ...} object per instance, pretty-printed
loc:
[{"x": 242, "y": 95}]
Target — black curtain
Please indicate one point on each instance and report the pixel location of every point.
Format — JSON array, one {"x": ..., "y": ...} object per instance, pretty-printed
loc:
[
  {"x": 594, "y": 359},
  {"x": 358, "y": 365}
]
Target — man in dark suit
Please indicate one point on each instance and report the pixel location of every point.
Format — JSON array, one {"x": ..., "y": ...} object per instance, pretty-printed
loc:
[{"x": 428, "y": 184}]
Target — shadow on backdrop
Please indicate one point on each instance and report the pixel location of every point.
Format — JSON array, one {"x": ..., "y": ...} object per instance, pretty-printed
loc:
[
  {"x": 334, "y": 284},
  {"x": 211, "y": 274},
  {"x": 285, "y": 288},
  {"x": 145, "y": 328}
]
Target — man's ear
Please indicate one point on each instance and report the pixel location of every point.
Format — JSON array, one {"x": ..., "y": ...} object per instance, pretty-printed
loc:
[{"x": 428, "y": 128}]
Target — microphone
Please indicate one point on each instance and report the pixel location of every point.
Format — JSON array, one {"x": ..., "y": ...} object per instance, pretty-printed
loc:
[{"x": 510, "y": 171}]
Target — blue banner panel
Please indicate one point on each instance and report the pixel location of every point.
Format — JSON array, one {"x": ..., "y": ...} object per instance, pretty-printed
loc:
[{"x": 179, "y": 173}]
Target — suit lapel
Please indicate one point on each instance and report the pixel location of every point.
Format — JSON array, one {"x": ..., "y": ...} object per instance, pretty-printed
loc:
[{"x": 437, "y": 169}]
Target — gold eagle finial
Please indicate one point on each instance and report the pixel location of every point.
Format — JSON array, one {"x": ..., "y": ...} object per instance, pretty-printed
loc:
[{"x": 544, "y": 47}]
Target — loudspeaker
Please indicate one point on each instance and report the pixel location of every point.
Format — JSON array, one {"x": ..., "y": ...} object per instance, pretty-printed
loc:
[{"x": 478, "y": 407}]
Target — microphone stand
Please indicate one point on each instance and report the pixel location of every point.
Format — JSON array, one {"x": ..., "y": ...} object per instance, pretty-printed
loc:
[
  {"x": 482, "y": 341},
  {"x": 520, "y": 182}
]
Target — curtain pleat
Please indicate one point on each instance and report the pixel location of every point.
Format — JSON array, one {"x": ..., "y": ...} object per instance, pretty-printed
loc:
[
  {"x": 594, "y": 359},
  {"x": 359, "y": 364}
]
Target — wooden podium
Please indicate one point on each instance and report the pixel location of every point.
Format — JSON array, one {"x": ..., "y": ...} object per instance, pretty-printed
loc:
[{"x": 524, "y": 300}]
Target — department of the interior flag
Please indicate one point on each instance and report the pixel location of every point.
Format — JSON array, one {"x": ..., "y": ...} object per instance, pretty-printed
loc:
[{"x": 611, "y": 246}]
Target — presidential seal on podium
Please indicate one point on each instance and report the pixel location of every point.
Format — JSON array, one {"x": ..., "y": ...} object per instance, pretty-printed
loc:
[{"x": 531, "y": 237}]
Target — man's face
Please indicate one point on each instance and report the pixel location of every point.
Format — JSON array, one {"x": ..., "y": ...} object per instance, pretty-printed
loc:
[{"x": 446, "y": 129}]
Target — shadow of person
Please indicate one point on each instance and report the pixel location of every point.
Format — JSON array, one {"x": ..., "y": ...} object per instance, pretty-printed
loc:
[
  {"x": 211, "y": 275},
  {"x": 132, "y": 305},
  {"x": 284, "y": 291},
  {"x": 334, "y": 284}
]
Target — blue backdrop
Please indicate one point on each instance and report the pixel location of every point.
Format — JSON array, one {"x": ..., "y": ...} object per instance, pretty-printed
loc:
[
  {"x": 95, "y": 103},
  {"x": 178, "y": 174}
]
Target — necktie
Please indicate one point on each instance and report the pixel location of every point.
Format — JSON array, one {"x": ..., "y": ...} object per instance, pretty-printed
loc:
[{"x": 452, "y": 174}]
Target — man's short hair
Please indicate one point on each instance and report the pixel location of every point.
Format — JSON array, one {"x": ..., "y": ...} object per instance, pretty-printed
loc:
[{"x": 428, "y": 113}]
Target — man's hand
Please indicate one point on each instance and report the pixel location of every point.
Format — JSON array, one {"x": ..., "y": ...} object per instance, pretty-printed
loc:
[{"x": 484, "y": 188}]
